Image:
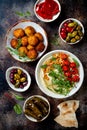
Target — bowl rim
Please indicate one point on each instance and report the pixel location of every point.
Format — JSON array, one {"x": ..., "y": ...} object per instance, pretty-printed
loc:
[
  {"x": 11, "y": 85},
  {"x": 31, "y": 118},
  {"x": 47, "y": 20},
  {"x": 48, "y": 92},
  {"x": 74, "y": 19},
  {"x": 8, "y": 38}
]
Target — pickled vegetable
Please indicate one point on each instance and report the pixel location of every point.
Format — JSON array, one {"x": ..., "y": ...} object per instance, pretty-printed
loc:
[{"x": 36, "y": 108}]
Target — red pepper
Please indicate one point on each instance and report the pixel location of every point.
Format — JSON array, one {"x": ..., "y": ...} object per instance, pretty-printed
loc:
[{"x": 47, "y": 9}]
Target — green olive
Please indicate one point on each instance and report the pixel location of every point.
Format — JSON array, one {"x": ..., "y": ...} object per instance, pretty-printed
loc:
[
  {"x": 80, "y": 33},
  {"x": 73, "y": 40},
  {"x": 74, "y": 33},
  {"x": 71, "y": 24},
  {"x": 78, "y": 28},
  {"x": 16, "y": 76},
  {"x": 67, "y": 38},
  {"x": 17, "y": 81},
  {"x": 19, "y": 71},
  {"x": 69, "y": 35},
  {"x": 23, "y": 79},
  {"x": 17, "y": 84},
  {"x": 77, "y": 37}
]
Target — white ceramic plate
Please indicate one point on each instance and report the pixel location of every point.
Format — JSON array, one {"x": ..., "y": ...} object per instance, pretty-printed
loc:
[
  {"x": 24, "y": 24},
  {"x": 31, "y": 118},
  {"x": 47, "y": 20},
  {"x": 48, "y": 92},
  {"x": 11, "y": 85}
]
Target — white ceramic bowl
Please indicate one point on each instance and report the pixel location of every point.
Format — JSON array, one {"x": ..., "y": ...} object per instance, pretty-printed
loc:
[
  {"x": 31, "y": 118},
  {"x": 61, "y": 25},
  {"x": 8, "y": 71},
  {"x": 39, "y": 78},
  {"x": 23, "y": 24},
  {"x": 47, "y": 20}
]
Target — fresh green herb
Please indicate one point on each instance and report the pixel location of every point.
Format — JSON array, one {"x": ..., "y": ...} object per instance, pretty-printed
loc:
[
  {"x": 26, "y": 14},
  {"x": 19, "y": 13},
  {"x": 19, "y": 44},
  {"x": 77, "y": 64},
  {"x": 55, "y": 39},
  {"x": 13, "y": 51},
  {"x": 17, "y": 109},
  {"x": 53, "y": 58},
  {"x": 59, "y": 80},
  {"x": 19, "y": 97},
  {"x": 44, "y": 66}
]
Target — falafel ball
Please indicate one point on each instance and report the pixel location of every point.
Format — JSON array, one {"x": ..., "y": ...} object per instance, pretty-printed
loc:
[
  {"x": 18, "y": 33},
  {"x": 22, "y": 51},
  {"x": 24, "y": 40},
  {"x": 32, "y": 54},
  {"x": 29, "y": 47},
  {"x": 29, "y": 30},
  {"x": 14, "y": 43},
  {"x": 33, "y": 40},
  {"x": 39, "y": 36},
  {"x": 40, "y": 47}
]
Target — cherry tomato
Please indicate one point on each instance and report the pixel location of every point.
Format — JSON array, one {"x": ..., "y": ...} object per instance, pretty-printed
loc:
[
  {"x": 74, "y": 71},
  {"x": 65, "y": 24},
  {"x": 63, "y": 30},
  {"x": 73, "y": 65},
  {"x": 63, "y": 35},
  {"x": 66, "y": 62},
  {"x": 63, "y": 56},
  {"x": 65, "y": 68},
  {"x": 69, "y": 29},
  {"x": 75, "y": 78},
  {"x": 68, "y": 74}
]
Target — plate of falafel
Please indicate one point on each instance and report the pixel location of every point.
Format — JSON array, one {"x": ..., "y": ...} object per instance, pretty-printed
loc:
[{"x": 26, "y": 41}]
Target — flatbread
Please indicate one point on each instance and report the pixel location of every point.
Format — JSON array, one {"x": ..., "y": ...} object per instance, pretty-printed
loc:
[
  {"x": 67, "y": 116},
  {"x": 64, "y": 106}
]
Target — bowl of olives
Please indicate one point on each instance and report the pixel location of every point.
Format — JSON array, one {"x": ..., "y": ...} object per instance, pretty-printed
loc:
[
  {"x": 18, "y": 78},
  {"x": 71, "y": 31},
  {"x": 36, "y": 108}
]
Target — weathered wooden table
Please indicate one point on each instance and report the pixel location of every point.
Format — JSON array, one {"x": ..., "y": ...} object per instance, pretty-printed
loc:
[{"x": 8, "y": 16}]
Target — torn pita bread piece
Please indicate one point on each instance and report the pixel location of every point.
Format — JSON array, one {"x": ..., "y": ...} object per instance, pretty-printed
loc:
[
  {"x": 64, "y": 106},
  {"x": 67, "y": 117}
]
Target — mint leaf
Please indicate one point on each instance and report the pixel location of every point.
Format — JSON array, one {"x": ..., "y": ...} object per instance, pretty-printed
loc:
[
  {"x": 19, "y": 97},
  {"x": 18, "y": 109}
]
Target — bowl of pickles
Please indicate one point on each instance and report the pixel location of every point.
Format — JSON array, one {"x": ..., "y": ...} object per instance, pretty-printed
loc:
[
  {"x": 36, "y": 108},
  {"x": 18, "y": 78},
  {"x": 71, "y": 31}
]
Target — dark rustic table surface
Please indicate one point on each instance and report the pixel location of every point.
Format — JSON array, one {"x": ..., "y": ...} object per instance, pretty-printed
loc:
[{"x": 9, "y": 120}]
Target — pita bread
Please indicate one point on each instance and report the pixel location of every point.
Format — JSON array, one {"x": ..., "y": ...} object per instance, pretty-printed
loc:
[
  {"x": 64, "y": 106},
  {"x": 67, "y": 117}
]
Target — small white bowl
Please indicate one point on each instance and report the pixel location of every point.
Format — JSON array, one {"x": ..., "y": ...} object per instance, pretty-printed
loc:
[
  {"x": 47, "y": 20},
  {"x": 42, "y": 85},
  {"x": 61, "y": 25},
  {"x": 11, "y": 85},
  {"x": 31, "y": 118}
]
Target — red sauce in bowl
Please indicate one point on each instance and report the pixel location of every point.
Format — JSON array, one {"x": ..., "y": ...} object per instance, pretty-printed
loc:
[{"x": 47, "y": 9}]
